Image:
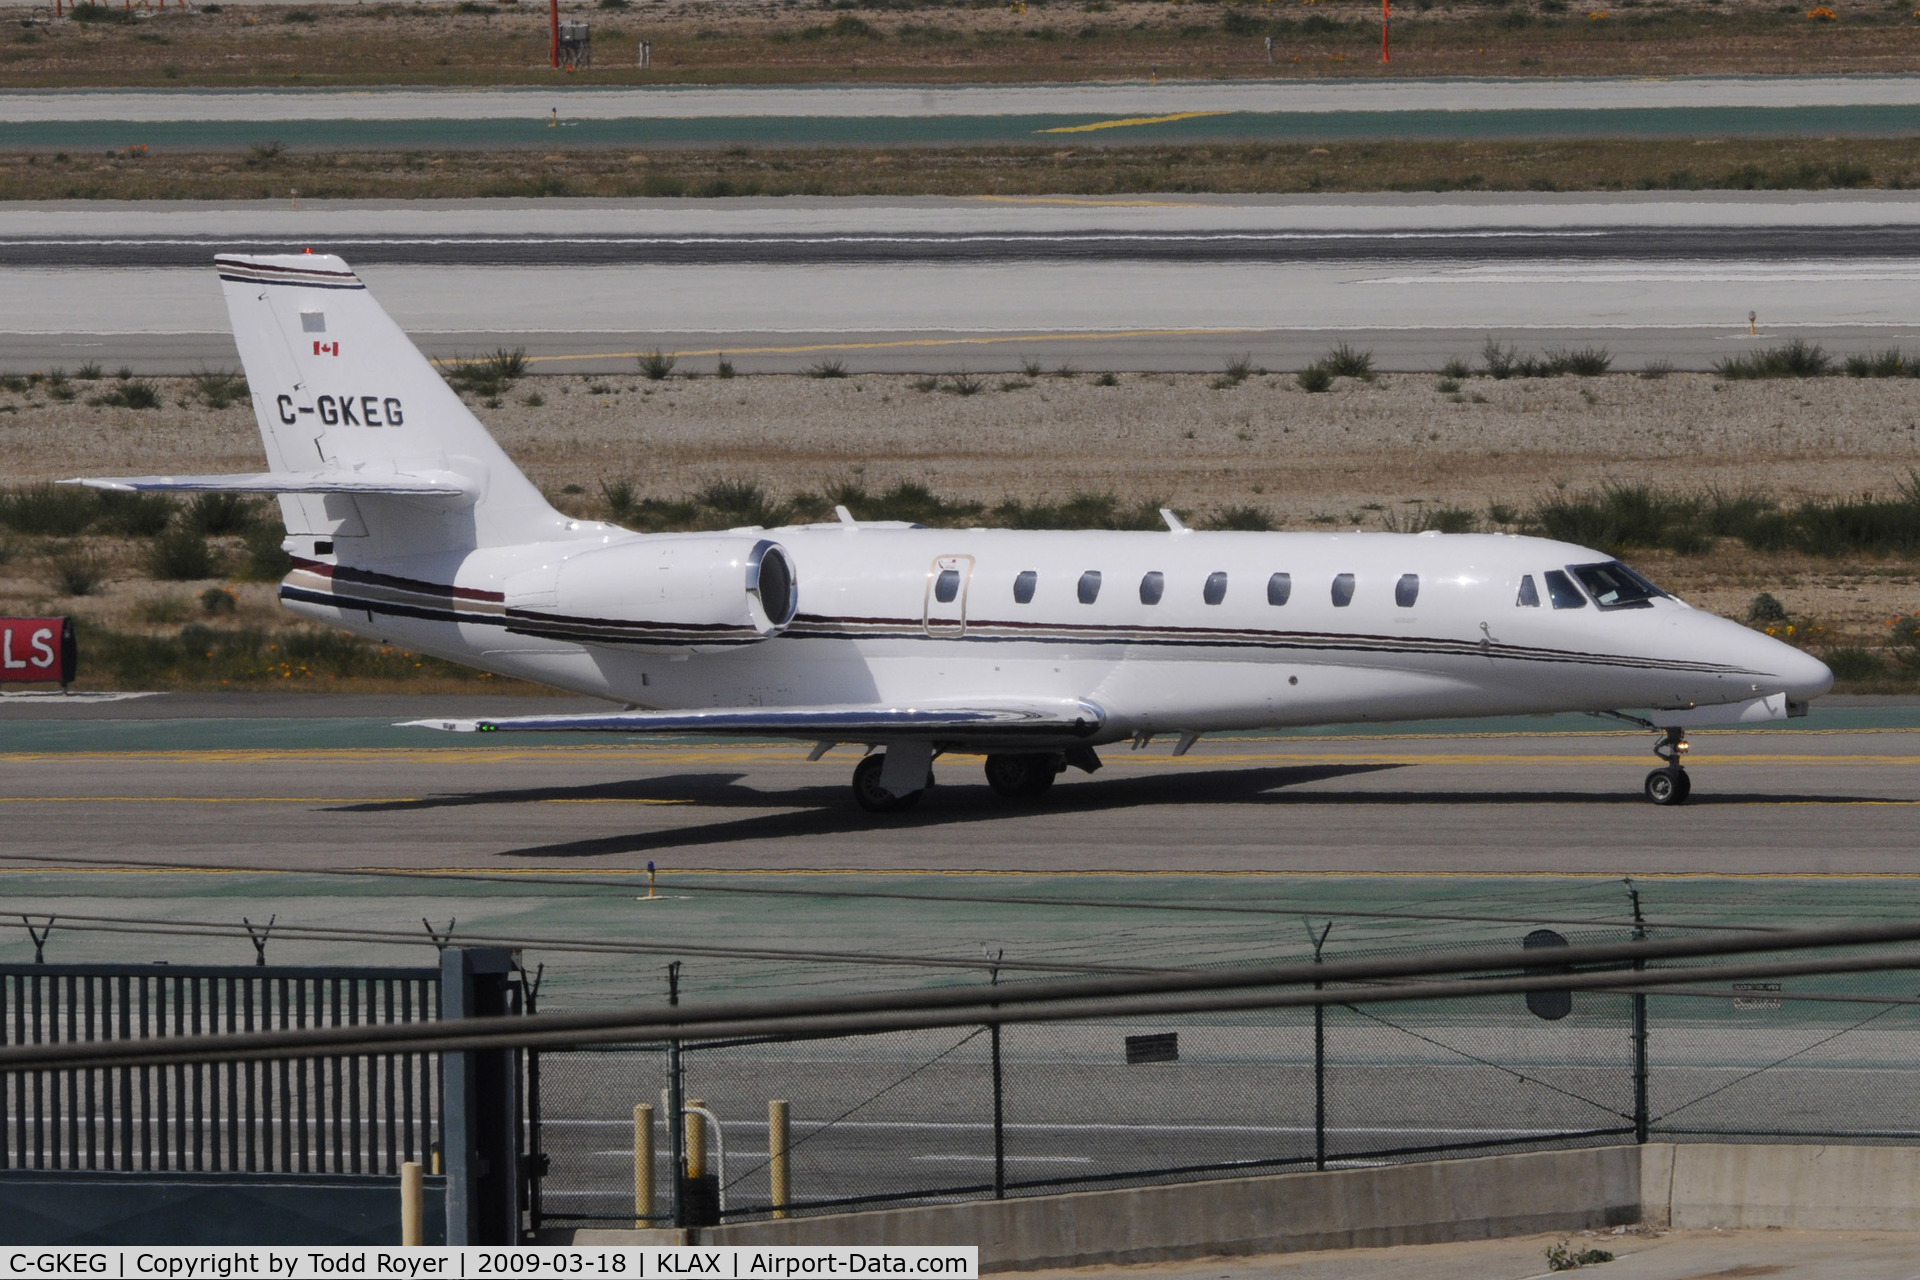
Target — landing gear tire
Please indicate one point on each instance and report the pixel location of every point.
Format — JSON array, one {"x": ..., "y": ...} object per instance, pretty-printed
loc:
[
  {"x": 1669, "y": 785},
  {"x": 1021, "y": 776},
  {"x": 871, "y": 796}
]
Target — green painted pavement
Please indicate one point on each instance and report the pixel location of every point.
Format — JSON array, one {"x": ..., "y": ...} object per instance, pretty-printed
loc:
[
  {"x": 1106, "y": 920},
  {"x": 901, "y": 131}
]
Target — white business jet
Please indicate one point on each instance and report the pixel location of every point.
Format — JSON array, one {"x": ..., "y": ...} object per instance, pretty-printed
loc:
[{"x": 409, "y": 525}]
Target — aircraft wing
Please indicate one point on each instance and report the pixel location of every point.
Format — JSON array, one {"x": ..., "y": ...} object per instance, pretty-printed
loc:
[
  {"x": 436, "y": 484},
  {"x": 1038, "y": 718}
]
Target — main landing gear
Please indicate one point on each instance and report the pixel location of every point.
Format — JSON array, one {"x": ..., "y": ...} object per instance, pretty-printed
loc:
[
  {"x": 1669, "y": 784},
  {"x": 874, "y": 798},
  {"x": 1022, "y": 775}
]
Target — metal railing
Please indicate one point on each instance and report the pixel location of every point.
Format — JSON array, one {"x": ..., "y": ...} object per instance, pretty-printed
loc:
[{"x": 356, "y": 1113}]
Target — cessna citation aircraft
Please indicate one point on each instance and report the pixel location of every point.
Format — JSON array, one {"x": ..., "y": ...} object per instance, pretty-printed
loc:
[{"x": 409, "y": 525}]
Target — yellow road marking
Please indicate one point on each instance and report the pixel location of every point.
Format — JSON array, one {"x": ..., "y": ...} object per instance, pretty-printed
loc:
[
  {"x": 311, "y": 800},
  {"x": 1130, "y": 122},
  {"x": 1093, "y": 203}
]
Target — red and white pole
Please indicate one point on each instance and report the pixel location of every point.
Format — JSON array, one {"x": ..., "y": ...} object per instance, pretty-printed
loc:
[
  {"x": 553, "y": 24},
  {"x": 1385, "y": 56}
]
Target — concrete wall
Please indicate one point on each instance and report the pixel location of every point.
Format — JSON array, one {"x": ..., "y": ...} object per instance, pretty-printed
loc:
[
  {"x": 1397, "y": 1204},
  {"x": 1813, "y": 1188},
  {"x": 1662, "y": 1184}
]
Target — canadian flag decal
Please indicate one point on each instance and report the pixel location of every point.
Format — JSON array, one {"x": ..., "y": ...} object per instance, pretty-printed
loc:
[{"x": 326, "y": 348}]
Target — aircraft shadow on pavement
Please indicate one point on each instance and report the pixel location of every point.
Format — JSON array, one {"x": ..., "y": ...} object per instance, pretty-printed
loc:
[{"x": 832, "y": 812}]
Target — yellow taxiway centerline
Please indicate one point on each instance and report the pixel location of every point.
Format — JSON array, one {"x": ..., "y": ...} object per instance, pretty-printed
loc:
[{"x": 1130, "y": 122}]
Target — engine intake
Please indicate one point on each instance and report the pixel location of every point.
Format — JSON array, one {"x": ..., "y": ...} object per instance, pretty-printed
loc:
[{"x": 698, "y": 592}]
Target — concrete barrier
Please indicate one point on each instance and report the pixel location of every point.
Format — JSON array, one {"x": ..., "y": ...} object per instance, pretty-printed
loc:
[
  {"x": 1813, "y": 1188},
  {"x": 1819, "y": 1188}
]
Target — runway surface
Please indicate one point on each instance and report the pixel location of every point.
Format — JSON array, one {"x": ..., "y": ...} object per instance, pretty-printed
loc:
[
  {"x": 1091, "y": 114},
  {"x": 924, "y": 284},
  {"x": 1834, "y": 794}
]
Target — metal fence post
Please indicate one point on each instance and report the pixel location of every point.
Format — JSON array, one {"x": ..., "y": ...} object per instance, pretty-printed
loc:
[
  {"x": 999, "y": 1122},
  {"x": 999, "y": 1095},
  {"x": 1641, "y": 1120},
  {"x": 677, "y": 1132},
  {"x": 1320, "y": 1065},
  {"x": 480, "y": 1099}
]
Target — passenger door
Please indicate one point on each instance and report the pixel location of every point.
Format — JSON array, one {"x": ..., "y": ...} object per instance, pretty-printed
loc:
[{"x": 945, "y": 615}]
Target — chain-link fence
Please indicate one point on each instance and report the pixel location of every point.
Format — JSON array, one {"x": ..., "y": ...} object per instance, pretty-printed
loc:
[{"x": 932, "y": 1115}]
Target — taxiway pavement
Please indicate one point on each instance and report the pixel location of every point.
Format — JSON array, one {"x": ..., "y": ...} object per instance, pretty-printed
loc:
[
  {"x": 1834, "y": 795},
  {"x": 1085, "y": 114},
  {"x": 938, "y": 285}
]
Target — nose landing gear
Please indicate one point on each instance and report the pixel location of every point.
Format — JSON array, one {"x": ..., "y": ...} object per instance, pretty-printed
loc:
[{"x": 1669, "y": 784}]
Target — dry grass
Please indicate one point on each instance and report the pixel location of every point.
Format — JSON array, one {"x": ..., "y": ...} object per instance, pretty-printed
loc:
[
  {"x": 1739, "y": 164},
  {"x": 947, "y": 40}
]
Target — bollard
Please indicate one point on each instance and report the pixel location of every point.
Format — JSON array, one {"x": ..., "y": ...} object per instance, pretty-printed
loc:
[
  {"x": 696, "y": 1140},
  {"x": 642, "y": 1166},
  {"x": 779, "y": 1155},
  {"x": 412, "y": 1205}
]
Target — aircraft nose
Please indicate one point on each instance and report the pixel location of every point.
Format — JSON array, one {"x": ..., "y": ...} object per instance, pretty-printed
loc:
[{"x": 1799, "y": 674}]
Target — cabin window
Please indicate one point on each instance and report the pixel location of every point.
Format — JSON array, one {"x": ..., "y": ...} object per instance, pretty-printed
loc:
[
  {"x": 1279, "y": 588},
  {"x": 1023, "y": 585},
  {"x": 1089, "y": 586},
  {"x": 1152, "y": 587},
  {"x": 1562, "y": 592},
  {"x": 946, "y": 586},
  {"x": 1216, "y": 588},
  {"x": 1342, "y": 590},
  {"x": 1529, "y": 597},
  {"x": 1614, "y": 586},
  {"x": 1407, "y": 590}
]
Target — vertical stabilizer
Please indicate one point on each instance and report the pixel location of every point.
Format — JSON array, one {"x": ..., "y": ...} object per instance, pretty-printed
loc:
[{"x": 338, "y": 387}]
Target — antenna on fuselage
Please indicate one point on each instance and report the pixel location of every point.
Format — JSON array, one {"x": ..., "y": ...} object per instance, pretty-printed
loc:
[{"x": 1174, "y": 523}]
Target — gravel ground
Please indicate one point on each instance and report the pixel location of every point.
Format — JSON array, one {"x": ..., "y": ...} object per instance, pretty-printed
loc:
[
  {"x": 1359, "y": 455},
  {"x": 1265, "y": 442}
]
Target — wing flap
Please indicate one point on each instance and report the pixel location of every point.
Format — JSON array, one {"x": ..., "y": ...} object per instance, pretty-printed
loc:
[
  {"x": 432, "y": 484},
  {"x": 840, "y": 723}
]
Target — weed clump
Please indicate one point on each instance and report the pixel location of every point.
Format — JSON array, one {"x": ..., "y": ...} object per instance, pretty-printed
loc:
[
  {"x": 1237, "y": 370},
  {"x": 218, "y": 514},
  {"x": 76, "y": 571},
  {"x": 1347, "y": 361},
  {"x": 488, "y": 376},
  {"x": 181, "y": 556},
  {"x": 262, "y": 558},
  {"x": 219, "y": 390},
  {"x": 1244, "y": 519},
  {"x": 47, "y": 510},
  {"x": 1890, "y": 363},
  {"x": 132, "y": 515},
  {"x": 130, "y": 394},
  {"x": 1314, "y": 379},
  {"x": 655, "y": 365},
  {"x": 828, "y": 369},
  {"x": 1797, "y": 358}
]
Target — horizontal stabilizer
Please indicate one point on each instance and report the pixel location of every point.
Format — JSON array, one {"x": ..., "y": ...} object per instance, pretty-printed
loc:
[
  {"x": 845, "y": 723},
  {"x": 430, "y": 484}
]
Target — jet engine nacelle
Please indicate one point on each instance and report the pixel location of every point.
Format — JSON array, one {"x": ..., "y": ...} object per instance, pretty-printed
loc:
[{"x": 699, "y": 592}]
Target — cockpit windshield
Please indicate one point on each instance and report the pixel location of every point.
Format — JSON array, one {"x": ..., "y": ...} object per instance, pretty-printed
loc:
[{"x": 1614, "y": 586}]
